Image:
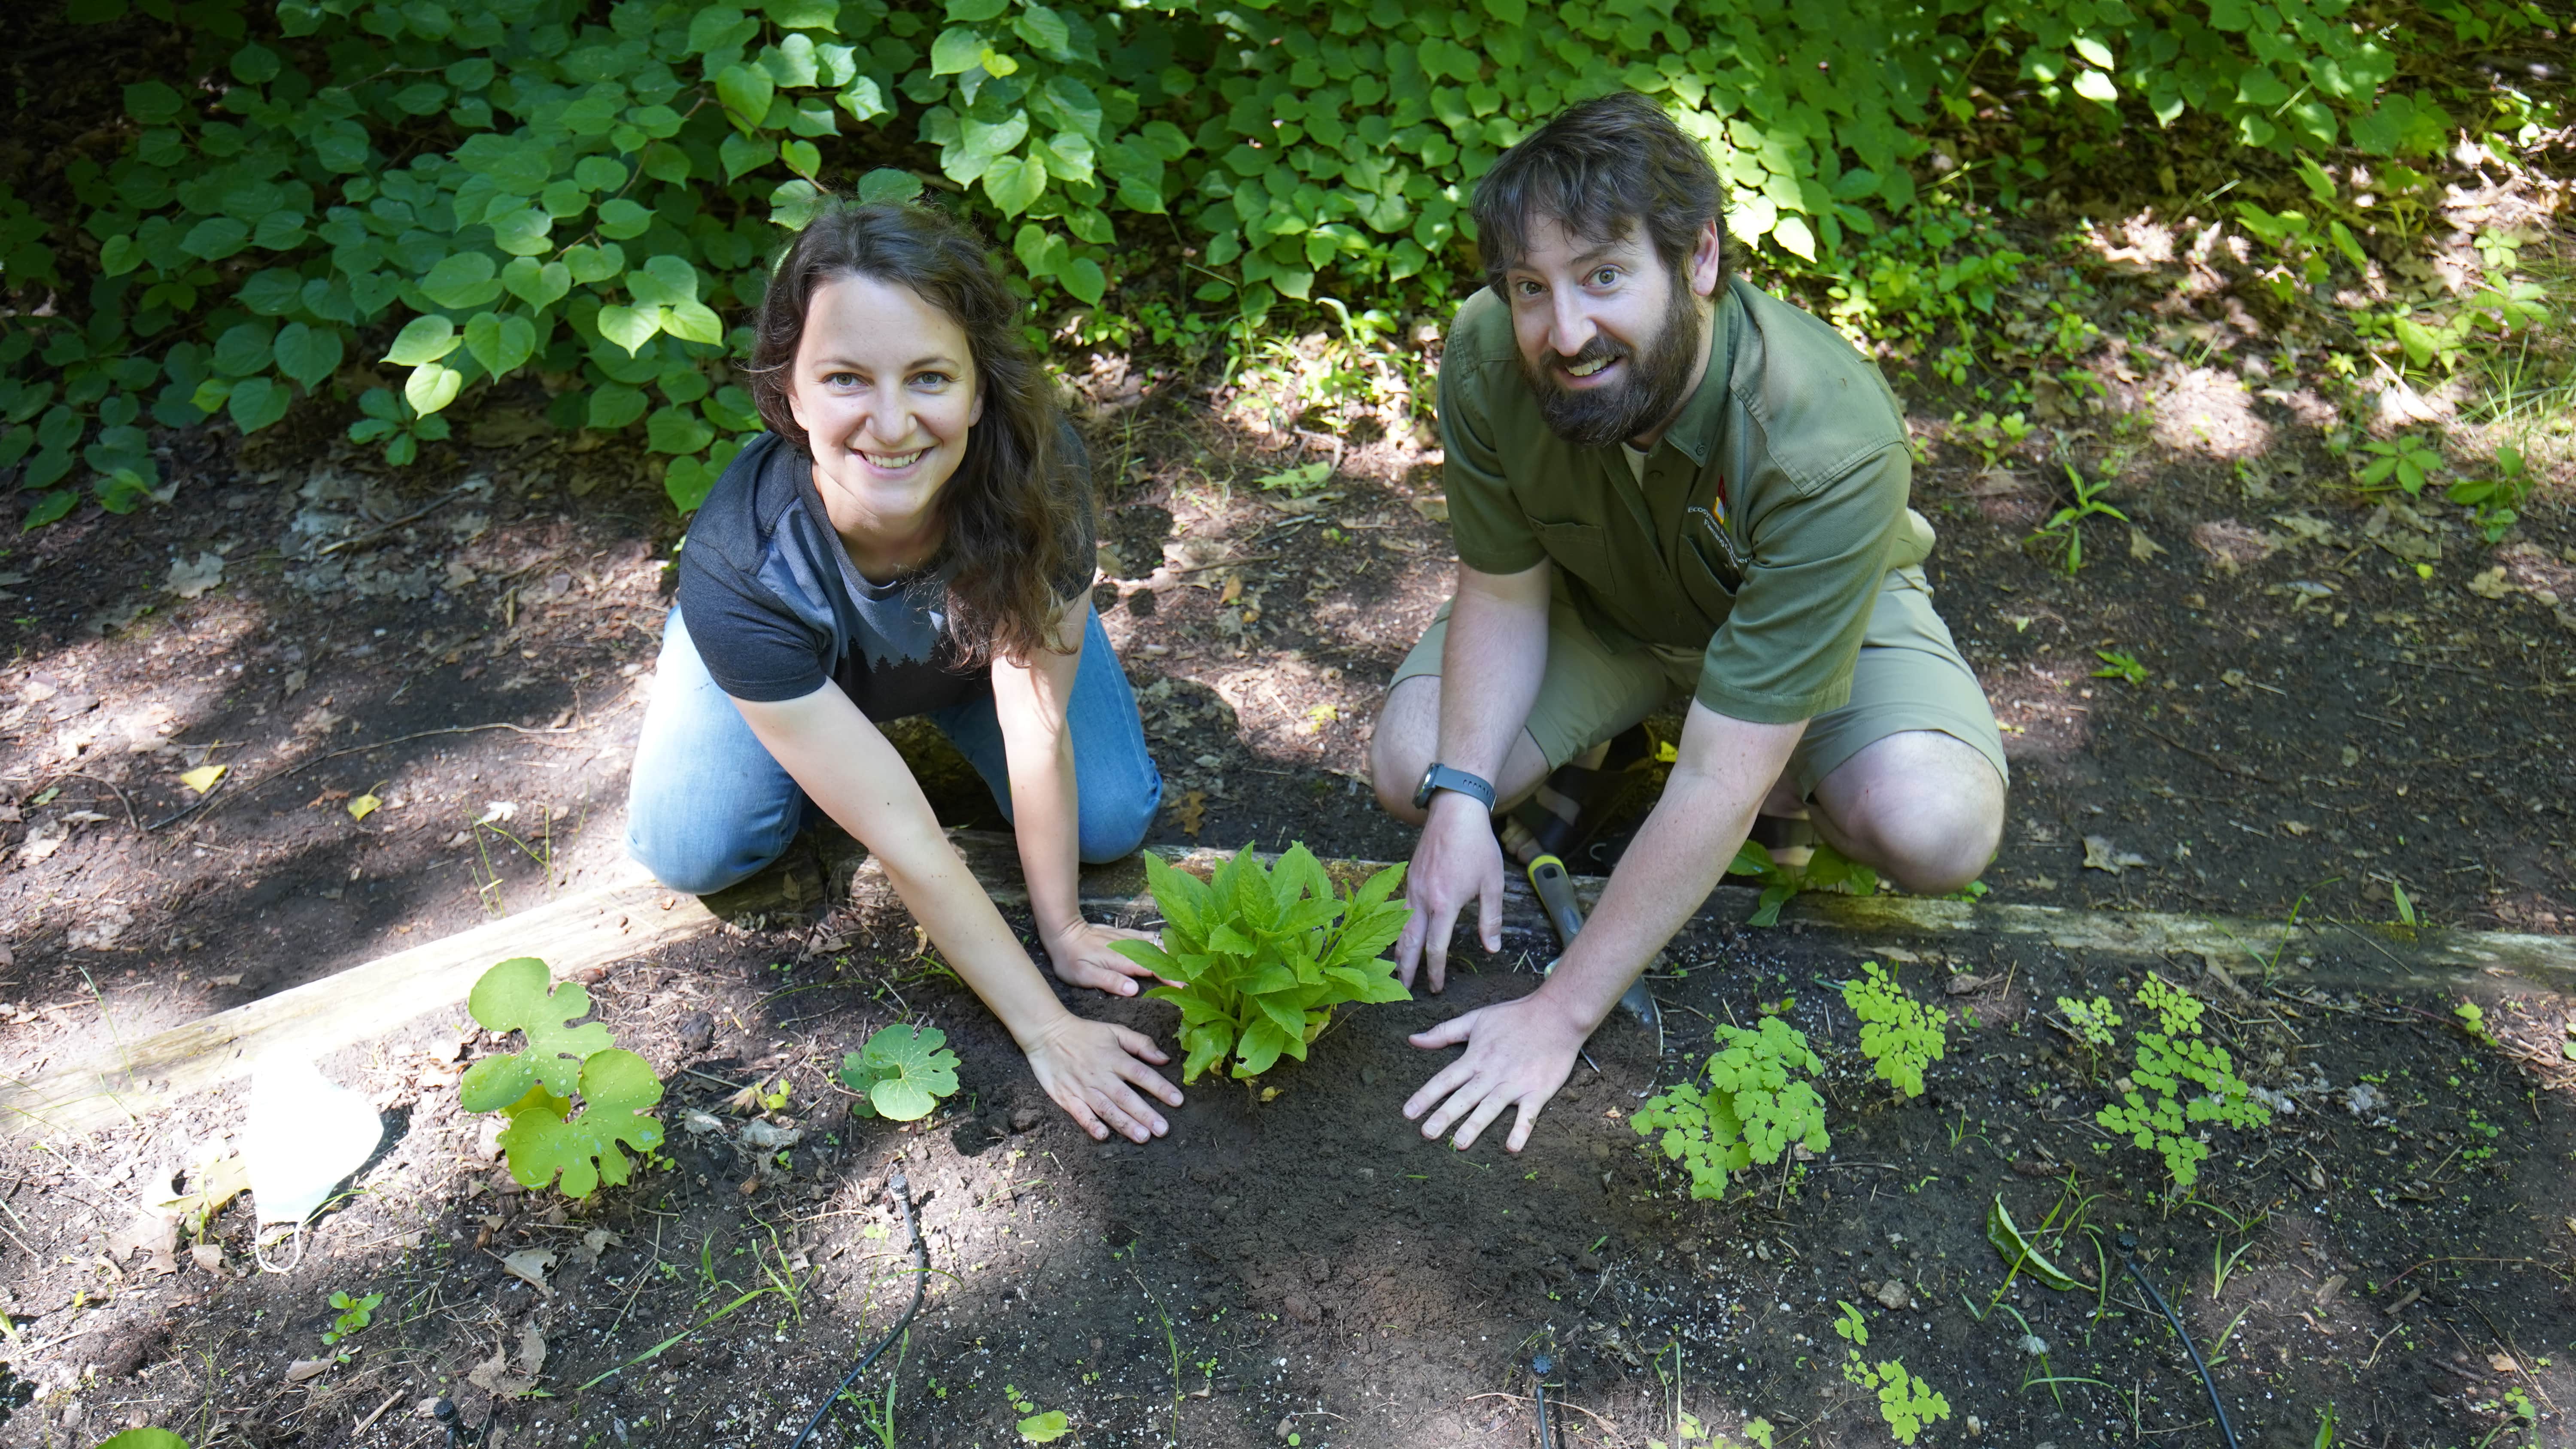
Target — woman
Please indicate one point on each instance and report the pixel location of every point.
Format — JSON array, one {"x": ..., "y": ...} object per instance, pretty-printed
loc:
[{"x": 911, "y": 536}]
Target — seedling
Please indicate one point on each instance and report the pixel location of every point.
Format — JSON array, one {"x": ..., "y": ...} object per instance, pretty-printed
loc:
[
  {"x": 145, "y": 1439},
  {"x": 1037, "y": 1428},
  {"x": 2065, "y": 527},
  {"x": 1898, "y": 1034},
  {"x": 2167, "y": 1060},
  {"x": 2404, "y": 461},
  {"x": 1257, "y": 958},
  {"x": 2095, "y": 1023},
  {"x": 1299, "y": 481},
  {"x": 1692, "y": 1434},
  {"x": 901, "y": 1074},
  {"x": 1908, "y": 1404},
  {"x": 2116, "y": 665},
  {"x": 355, "y": 1314},
  {"x": 534, "y": 1089},
  {"x": 2495, "y": 503},
  {"x": 1827, "y": 869},
  {"x": 2473, "y": 1020},
  {"x": 1758, "y": 1101}
]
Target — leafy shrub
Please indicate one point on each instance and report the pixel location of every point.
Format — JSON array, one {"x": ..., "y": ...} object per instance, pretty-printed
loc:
[
  {"x": 1758, "y": 1101},
  {"x": 2170, "y": 1063},
  {"x": 1826, "y": 869},
  {"x": 1898, "y": 1034},
  {"x": 460, "y": 193},
  {"x": 533, "y": 1089},
  {"x": 901, "y": 1074},
  {"x": 1257, "y": 957}
]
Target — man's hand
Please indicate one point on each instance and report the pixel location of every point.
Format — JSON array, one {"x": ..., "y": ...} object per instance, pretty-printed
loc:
[
  {"x": 1456, "y": 858},
  {"x": 1095, "y": 1072},
  {"x": 1518, "y": 1054},
  {"x": 1082, "y": 956}
]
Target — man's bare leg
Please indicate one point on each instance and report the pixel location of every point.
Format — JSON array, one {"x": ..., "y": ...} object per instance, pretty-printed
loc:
[
  {"x": 1408, "y": 734},
  {"x": 1919, "y": 807}
]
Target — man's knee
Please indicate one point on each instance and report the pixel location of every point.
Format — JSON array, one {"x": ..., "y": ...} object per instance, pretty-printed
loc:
[
  {"x": 1408, "y": 730},
  {"x": 1926, "y": 812}
]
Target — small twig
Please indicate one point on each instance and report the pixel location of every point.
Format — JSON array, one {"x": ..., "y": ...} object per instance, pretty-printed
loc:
[
  {"x": 111, "y": 785},
  {"x": 369, "y": 1422},
  {"x": 371, "y": 536},
  {"x": 1225, "y": 563}
]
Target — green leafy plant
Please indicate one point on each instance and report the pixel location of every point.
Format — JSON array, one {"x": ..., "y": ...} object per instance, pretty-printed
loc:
[
  {"x": 1906, "y": 1403},
  {"x": 2095, "y": 1024},
  {"x": 2405, "y": 461},
  {"x": 901, "y": 1074},
  {"x": 145, "y": 1439},
  {"x": 1301, "y": 480},
  {"x": 1690, "y": 1433},
  {"x": 1825, "y": 869},
  {"x": 534, "y": 1089},
  {"x": 355, "y": 1315},
  {"x": 1758, "y": 1101},
  {"x": 1257, "y": 957},
  {"x": 1993, "y": 437},
  {"x": 2020, "y": 1254},
  {"x": 1898, "y": 1034},
  {"x": 2495, "y": 504},
  {"x": 2116, "y": 665},
  {"x": 411, "y": 208},
  {"x": 2473, "y": 1020},
  {"x": 2171, "y": 1064},
  {"x": 2065, "y": 528},
  {"x": 1036, "y": 1427}
]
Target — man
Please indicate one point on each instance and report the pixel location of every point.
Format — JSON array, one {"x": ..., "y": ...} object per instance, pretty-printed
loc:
[{"x": 1661, "y": 481}]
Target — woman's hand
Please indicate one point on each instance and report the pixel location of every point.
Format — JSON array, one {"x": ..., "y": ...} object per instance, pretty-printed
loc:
[
  {"x": 1082, "y": 957},
  {"x": 1093, "y": 1070}
]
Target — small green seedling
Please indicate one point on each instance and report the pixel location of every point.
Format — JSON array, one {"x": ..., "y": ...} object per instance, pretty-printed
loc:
[
  {"x": 2171, "y": 1063},
  {"x": 1035, "y": 1427},
  {"x": 2095, "y": 1023},
  {"x": 901, "y": 1074},
  {"x": 1907, "y": 1403},
  {"x": 2020, "y": 1254},
  {"x": 1692, "y": 1434},
  {"x": 1257, "y": 957},
  {"x": 355, "y": 1314},
  {"x": 1758, "y": 1101},
  {"x": 1299, "y": 481},
  {"x": 1899, "y": 1035},
  {"x": 2405, "y": 461},
  {"x": 2116, "y": 665},
  {"x": 2495, "y": 503},
  {"x": 534, "y": 1089},
  {"x": 2405, "y": 906},
  {"x": 1827, "y": 869},
  {"x": 145, "y": 1439},
  {"x": 2473, "y": 1020},
  {"x": 2066, "y": 527}
]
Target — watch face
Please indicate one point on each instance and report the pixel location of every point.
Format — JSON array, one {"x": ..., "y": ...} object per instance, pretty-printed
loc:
[{"x": 1422, "y": 792}]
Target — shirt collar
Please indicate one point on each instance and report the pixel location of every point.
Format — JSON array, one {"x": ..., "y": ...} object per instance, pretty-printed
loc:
[{"x": 1702, "y": 423}]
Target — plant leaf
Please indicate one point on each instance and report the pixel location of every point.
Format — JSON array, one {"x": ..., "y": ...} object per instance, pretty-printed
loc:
[
  {"x": 618, "y": 1088},
  {"x": 513, "y": 996},
  {"x": 2017, "y": 1249}
]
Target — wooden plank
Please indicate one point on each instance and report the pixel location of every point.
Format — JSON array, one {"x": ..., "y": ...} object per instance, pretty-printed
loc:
[
  {"x": 630, "y": 915},
  {"x": 624, "y": 916}
]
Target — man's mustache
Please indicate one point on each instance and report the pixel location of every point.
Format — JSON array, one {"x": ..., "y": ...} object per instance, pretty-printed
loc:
[{"x": 1599, "y": 349}]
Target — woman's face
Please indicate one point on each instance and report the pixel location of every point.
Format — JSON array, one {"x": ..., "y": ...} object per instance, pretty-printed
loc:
[{"x": 884, "y": 386}]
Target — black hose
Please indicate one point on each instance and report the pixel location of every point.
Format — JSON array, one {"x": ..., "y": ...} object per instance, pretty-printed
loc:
[
  {"x": 1540, "y": 1367},
  {"x": 902, "y": 1191},
  {"x": 2128, "y": 1259}
]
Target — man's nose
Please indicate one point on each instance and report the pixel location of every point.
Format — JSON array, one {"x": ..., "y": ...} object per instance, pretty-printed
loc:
[{"x": 1569, "y": 327}]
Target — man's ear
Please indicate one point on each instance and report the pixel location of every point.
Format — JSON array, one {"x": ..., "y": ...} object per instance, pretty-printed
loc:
[{"x": 1708, "y": 260}]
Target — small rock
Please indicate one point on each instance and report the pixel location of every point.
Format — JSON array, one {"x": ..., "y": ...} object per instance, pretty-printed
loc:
[
  {"x": 1287, "y": 1427},
  {"x": 695, "y": 1033},
  {"x": 1024, "y": 1118},
  {"x": 1976, "y": 1426},
  {"x": 1893, "y": 1295}
]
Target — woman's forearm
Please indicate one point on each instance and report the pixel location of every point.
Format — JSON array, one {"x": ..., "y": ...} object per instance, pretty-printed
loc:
[
  {"x": 847, "y": 767},
  {"x": 1049, "y": 817}
]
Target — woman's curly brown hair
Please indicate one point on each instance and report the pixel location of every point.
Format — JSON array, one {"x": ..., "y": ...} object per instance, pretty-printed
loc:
[{"x": 1006, "y": 512}]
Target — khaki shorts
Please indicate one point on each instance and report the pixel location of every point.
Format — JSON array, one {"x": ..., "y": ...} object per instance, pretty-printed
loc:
[{"x": 1909, "y": 676}]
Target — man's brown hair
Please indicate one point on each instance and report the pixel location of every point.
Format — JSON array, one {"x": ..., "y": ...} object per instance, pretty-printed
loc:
[{"x": 1598, "y": 169}]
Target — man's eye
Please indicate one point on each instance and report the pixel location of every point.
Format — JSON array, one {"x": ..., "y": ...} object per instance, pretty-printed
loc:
[{"x": 1528, "y": 288}]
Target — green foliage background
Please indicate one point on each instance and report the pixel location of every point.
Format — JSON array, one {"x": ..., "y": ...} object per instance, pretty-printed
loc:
[{"x": 399, "y": 203}]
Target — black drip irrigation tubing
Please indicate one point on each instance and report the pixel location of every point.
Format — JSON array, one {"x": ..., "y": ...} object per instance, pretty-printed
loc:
[
  {"x": 1540, "y": 1368},
  {"x": 902, "y": 1191},
  {"x": 2129, "y": 1260}
]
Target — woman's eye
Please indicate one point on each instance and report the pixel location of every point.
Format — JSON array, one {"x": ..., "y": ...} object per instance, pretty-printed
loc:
[
  {"x": 841, "y": 379},
  {"x": 1605, "y": 276},
  {"x": 932, "y": 379},
  {"x": 1528, "y": 288}
]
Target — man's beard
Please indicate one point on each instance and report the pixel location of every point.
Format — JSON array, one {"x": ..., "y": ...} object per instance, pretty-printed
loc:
[{"x": 1597, "y": 417}]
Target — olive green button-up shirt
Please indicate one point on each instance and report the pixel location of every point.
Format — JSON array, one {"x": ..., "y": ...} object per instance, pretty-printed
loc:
[{"x": 1768, "y": 515}]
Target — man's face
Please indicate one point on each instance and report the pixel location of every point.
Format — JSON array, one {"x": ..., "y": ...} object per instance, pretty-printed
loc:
[{"x": 1610, "y": 340}]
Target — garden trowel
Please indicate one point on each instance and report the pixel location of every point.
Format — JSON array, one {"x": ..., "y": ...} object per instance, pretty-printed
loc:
[{"x": 1555, "y": 889}]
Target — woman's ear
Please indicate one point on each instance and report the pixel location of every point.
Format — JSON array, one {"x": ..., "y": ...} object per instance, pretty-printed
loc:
[
  {"x": 976, "y": 381},
  {"x": 795, "y": 404}
]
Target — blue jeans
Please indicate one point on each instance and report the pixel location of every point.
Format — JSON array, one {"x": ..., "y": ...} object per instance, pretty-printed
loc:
[{"x": 708, "y": 807}]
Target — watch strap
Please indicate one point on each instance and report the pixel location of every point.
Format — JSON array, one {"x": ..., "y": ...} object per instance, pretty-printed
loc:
[{"x": 1442, "y": 777}]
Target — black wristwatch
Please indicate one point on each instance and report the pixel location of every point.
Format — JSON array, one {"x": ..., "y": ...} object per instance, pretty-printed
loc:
[{"x": 1441, "y": 777}]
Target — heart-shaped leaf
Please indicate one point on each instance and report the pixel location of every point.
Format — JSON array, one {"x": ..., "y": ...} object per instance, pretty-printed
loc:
[
  {"x": 618, "y": 1089},
  {"x": 514, "y": 996}
]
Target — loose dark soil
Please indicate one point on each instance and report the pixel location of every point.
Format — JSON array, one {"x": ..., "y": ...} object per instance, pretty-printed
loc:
[{"x": 1310, "y": 1265}]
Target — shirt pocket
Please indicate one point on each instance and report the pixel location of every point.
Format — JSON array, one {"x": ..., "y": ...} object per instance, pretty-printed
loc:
[
  {"x": 1582, "y": 549},
  {"x": 1712, "y": 568}
]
